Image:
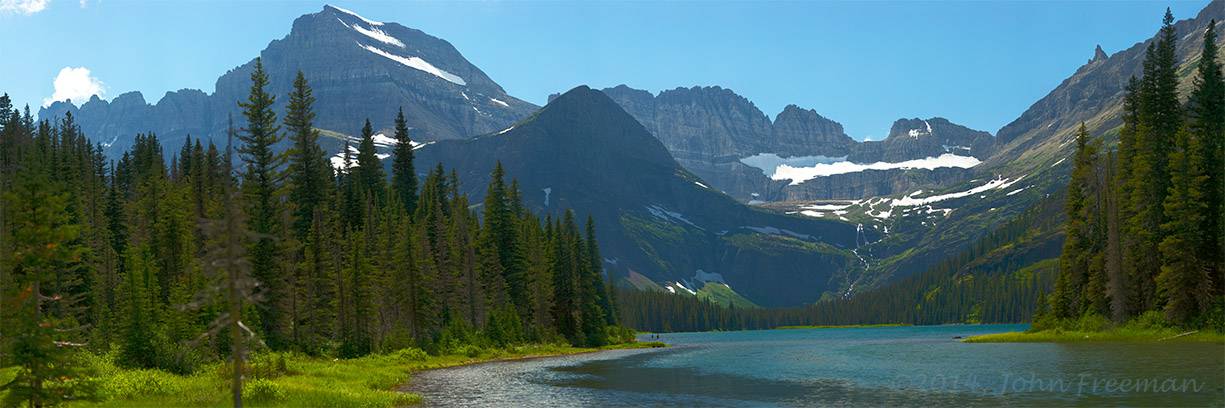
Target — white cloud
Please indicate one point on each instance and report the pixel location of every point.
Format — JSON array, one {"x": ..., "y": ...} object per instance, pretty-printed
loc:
[
  {"x": 26, "y": 7},
  {"x": 76, "y": 84}
]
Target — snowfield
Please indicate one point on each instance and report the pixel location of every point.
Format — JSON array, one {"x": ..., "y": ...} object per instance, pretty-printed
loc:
[
  {"x": 769, "y": 163},
  {"x": 417, "y": 64},
  {"x": 799, "y": 175}
]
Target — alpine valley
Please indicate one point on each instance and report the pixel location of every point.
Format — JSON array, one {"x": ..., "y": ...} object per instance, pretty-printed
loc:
[
  {"x": 360, "y": 216},
  {"x": 696, "y": 191}
]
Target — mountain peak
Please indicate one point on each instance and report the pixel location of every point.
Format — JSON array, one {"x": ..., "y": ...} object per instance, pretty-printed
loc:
[
  {"x": 584, "y": 106},
  {"x": 350, "y": 13},
  {"x": 358, "y": 67},
  {"x": 1098, "y": 55},
  {"x": 914, "y": 128}
]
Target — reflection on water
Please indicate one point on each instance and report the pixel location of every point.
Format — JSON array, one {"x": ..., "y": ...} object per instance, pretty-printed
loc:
[{"x": 894, "y": 366}]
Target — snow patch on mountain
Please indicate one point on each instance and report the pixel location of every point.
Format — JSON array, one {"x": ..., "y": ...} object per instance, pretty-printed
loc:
[
  {"x": 359, "y": 17},
  {"x": 338, "y": 160},
  {"x": 998, "y": 183},
  {"x": 417, "y": 64},
  {"x": 769, "y": 163},
  {"x": 915, "y": 133},
  {"x": 828, "y": 207},
  {"x": 670, "y": 216},
  {"x": 382, "y": 140},
  {"x": 378, "y": 34},
  {"x": 673, "y": 286},
  {"x": 799, "y": 175}
]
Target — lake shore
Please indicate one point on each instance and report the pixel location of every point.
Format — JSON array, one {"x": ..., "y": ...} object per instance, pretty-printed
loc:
[
  {"x": 294, "y": 380},
  {"x": 846, "y": 326},
  {"x": 1111, "y": 335}
]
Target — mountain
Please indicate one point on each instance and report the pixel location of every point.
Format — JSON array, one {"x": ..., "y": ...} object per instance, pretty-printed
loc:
[
  {"x": 725, "y": 139},
  {"x": 655, "y": 218},
  {"x": 358, "y": 69},
  {"x": 1031, "y": 163},
  {"x": 932, "y": 214},
  {"x": 926, "y": 214},
  {"x": 1094, "y": 95}
]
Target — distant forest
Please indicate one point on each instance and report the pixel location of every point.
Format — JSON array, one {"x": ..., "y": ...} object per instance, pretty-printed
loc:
[{"x": 974, "y": 286}]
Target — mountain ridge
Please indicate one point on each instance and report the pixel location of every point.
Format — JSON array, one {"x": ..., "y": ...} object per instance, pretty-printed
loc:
[{"x": 358, "y": 68}]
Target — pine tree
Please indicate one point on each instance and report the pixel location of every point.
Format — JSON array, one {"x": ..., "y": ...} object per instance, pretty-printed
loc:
[
  {"x": 1070, "y": 296},
  {"x": 596, "y": 263},
  {"x": 1185, "y": 283},
  {"x": 316, "y": 285},
  {"x": 1206, "y": 111},
  {"x": 1159, "y": 118},
  {"x": 591, "y": 316},
  {"x": 355, "y": 333},
  {"x": 44, "y": 240},
  {"x": 308, "y": 173},
  {"x": 261, "y": 184},
  {"x": 500, "y": 221},
  {"x": 403, "y": 174},
  {"x": 492, "y": 280},
  {"x": 565, "y": 286},
  {"x": 424, "y": 318},
  {"x": 371, "y": 180},
  {"x": 137, "y": 291}
]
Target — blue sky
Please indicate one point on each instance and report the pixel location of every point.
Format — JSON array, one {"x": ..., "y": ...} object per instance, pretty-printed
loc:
[{"x": 863, "y": 64}]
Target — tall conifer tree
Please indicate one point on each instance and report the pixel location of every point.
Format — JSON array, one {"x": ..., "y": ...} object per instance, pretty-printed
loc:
[
  {"x": 403, "y": 174},
  {"x": 261, "y": 185},
  {"x": 308, "y": 173}
]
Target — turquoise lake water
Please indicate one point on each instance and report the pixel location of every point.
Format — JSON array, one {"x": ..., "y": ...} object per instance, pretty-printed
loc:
[{"x": 889, "y": 366}]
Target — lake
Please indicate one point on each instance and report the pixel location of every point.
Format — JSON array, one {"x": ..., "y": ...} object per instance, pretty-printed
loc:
[{"x": 894, "y": 366}]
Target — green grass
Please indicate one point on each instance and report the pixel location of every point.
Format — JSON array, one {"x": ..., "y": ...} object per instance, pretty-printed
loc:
[
  {"x": 723, "y": 295},
  {"x": 1124, "y": 335},
  {"x": 848, "y": 326},
  {"x": 295, "y": 380}
]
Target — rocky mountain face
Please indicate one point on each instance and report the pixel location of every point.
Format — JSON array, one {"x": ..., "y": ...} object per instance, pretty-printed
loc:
[
  {"x": 1034, "y": 152},
  {"x": 358, "y": 69},
  {"x": 803, "y": 132},
  {"x": 725, "y": 139},
  {"x": 919, "y": 138},
  {"x": 654, "y": 217},
  {"x": 1094, "y": 95}
]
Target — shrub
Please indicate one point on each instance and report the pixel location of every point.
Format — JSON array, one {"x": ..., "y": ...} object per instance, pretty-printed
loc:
[
  {"x": 1150, "y": 320},
  {"x": 262, "y": 390},
  {"x": 1214, "y": 319},
  {"x": 268, "y": 365},
  {"x": 470, "y": 350},
  {"x": 620, "y": 334},
  {"x": 1091, "y": 322},
  {"x": 128, "y": 384},
  {"x": 411, "y": 354}
]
